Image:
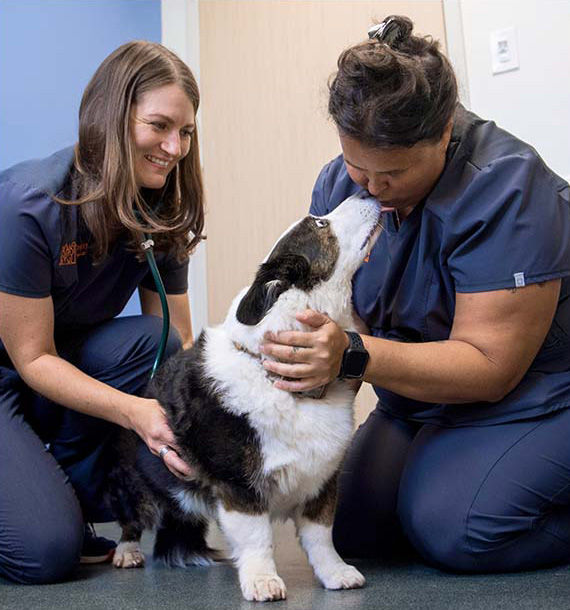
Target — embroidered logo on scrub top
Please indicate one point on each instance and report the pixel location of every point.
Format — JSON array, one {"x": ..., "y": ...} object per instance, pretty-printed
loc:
[
  {"x": 519, "y": 280},
  {"x": 71, "y": 252}
]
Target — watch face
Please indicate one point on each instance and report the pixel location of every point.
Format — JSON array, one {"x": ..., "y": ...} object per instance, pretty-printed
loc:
[{"x": 355, "y": 363}]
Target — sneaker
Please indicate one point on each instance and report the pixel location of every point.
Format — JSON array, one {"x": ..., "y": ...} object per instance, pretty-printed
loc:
[{"x": 96, "y": 549}]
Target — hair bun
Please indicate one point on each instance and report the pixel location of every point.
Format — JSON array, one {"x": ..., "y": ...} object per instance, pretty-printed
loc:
[{"x": 393, "y": 31}]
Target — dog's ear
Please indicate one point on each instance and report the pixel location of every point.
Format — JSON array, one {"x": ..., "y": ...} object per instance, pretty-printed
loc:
[
  {"x": 258, "y": 300},
  {"x": 273, "y": 279}
]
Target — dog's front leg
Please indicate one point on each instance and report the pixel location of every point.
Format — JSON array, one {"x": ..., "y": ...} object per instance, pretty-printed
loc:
[
  {"x": 314, "y": 528},
  {"x": 129, "y": 554},
  {"x": 251, "y": 539}
]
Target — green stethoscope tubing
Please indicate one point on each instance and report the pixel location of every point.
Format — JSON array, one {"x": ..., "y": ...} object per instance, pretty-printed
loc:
[{"x": 149, "y": 254}]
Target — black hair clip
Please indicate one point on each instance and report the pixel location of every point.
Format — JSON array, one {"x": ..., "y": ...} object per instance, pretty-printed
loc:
[{"x": 388, "y": 31}]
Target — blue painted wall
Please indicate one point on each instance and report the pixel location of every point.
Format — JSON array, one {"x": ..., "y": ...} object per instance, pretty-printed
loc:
[{"x": 49, "y": 49}]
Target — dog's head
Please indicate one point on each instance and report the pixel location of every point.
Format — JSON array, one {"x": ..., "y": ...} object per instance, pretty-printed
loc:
[{"x": 315, "y": 254}]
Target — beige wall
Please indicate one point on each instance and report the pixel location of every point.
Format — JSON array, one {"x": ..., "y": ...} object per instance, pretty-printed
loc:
[{"x": 265, "y": 134}]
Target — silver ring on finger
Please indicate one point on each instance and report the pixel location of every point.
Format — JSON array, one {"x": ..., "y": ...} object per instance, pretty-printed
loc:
[{"x": 164, "y": 450}]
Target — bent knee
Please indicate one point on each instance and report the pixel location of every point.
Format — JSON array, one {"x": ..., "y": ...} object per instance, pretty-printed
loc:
[
  {"x": 440, "y": 536},
  {"x": 153, "y": 331},
  {"x": 54, "y": 562},
  {"x": 44, "y": 558}
]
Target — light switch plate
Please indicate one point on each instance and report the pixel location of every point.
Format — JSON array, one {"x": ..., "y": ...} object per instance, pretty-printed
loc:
[{"x": 504, "y": 54}]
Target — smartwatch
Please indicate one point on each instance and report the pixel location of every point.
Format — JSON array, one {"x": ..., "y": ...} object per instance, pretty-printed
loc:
[{"x": 354, "y": 359}]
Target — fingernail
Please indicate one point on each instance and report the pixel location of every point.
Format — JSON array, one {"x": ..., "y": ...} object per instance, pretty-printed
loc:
[{"x": 262, "y": 349}]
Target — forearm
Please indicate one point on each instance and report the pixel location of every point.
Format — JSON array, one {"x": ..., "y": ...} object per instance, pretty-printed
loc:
[
  {"x": 64, "y": 384},
  {"x": 445, "y": 371}
]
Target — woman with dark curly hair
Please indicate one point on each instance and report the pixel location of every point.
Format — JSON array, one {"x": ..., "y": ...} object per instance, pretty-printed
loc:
[
  {"x": 466, "y": 322},
  {"x": 71, "y": 228}
]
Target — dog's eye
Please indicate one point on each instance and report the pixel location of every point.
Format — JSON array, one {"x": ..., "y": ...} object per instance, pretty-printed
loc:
[{"x": 321, "y": 223}]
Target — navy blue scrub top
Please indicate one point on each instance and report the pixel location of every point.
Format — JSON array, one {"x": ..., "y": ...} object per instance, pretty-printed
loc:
[
  {"x": 498, "y": 218},
  {"x": 46, "y": 250}
]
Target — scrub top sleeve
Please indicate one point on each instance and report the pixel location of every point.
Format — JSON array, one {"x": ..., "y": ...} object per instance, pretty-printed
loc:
[
  {"x": 511, "y": 227},
  {"x": 174, "y": 276},
  {"x": 26, "y": 260}
]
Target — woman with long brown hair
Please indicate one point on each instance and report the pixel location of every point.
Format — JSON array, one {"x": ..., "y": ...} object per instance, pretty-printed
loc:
[{"x": 72, "y": 227}]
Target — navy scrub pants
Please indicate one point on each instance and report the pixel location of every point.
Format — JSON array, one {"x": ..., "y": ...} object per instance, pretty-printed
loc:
[
  {"x": 46, "y": 496},
  {"x": 469, "y": 499}
]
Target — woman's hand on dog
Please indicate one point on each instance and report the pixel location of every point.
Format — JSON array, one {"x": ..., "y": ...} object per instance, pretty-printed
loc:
[
  {"x": 149, "y": 422},
  {"x": 310, "y": 359}
]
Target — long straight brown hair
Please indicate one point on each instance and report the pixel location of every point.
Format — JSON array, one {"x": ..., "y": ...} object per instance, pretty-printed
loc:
[{"x": 111, "y": 202}]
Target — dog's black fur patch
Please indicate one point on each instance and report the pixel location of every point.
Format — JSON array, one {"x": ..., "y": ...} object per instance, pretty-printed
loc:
[
  {"x": 222, "y": 447},
  {"x": 272, "y": 280}
]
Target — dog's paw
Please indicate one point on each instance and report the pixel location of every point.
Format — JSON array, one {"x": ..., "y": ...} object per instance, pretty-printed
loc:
[
  {"x": 263, "y": 588},
  {"x": 128, "y": 555},
  {"x": 344, "y": 577}
]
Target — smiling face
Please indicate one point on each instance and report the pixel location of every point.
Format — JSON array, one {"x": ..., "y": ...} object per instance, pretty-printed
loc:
[
  {"x": 398, "y": 178},
  {"x": 161, "y": 128}
]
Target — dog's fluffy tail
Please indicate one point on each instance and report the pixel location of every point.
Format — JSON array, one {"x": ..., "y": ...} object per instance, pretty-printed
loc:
[{"x": 183, "y": 543}]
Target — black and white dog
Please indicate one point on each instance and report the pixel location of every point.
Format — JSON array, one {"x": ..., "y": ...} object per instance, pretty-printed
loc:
[{"x": 259, "y": 453}]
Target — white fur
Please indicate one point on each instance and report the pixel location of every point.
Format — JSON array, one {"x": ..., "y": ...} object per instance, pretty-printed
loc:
[
  {"x": 191, "y": 504},
  {"x": 330, "y": 569},
  {"x": 128, "y": 555},
  {"x": 251, "y": 539},
  {"x": 302, "y": 439}
]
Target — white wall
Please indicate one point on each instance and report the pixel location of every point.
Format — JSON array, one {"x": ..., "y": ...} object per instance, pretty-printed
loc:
[
  {"x": 181, "y": 34},
  {"x": 532, "y": 102}
]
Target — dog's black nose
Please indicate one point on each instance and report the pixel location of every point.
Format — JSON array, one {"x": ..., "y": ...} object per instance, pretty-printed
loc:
[{"x": 363, "y": 194}]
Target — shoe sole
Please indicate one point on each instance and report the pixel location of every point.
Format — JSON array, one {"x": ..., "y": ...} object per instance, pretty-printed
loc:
[{"x": 98, "y": 559}]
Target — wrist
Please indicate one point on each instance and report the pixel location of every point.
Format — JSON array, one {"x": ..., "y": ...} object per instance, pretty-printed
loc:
[
  {"x": 345, "y": 342},
  {"x": 354, "y": 359},
  {"x": 132, "y": 409}
]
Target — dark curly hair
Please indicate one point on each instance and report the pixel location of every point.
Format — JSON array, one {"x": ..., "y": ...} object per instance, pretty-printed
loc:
[{"x": 393, "y": 90}]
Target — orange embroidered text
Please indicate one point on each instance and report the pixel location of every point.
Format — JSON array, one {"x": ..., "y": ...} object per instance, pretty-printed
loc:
[{"x": 71, "y": 252}]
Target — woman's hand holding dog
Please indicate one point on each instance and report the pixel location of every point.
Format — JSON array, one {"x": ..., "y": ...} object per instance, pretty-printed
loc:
[
  {"x": 149, "y": 422},
  {"x": 311, "y": 359}
]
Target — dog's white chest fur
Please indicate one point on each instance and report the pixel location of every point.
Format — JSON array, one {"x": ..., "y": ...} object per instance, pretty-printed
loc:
[{"x": 302, "y": 440}]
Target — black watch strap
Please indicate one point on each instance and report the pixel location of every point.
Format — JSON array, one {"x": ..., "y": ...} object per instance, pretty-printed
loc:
[
  {"x": 354, "y": 359},
  {"x": 355, "y": 341}
]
